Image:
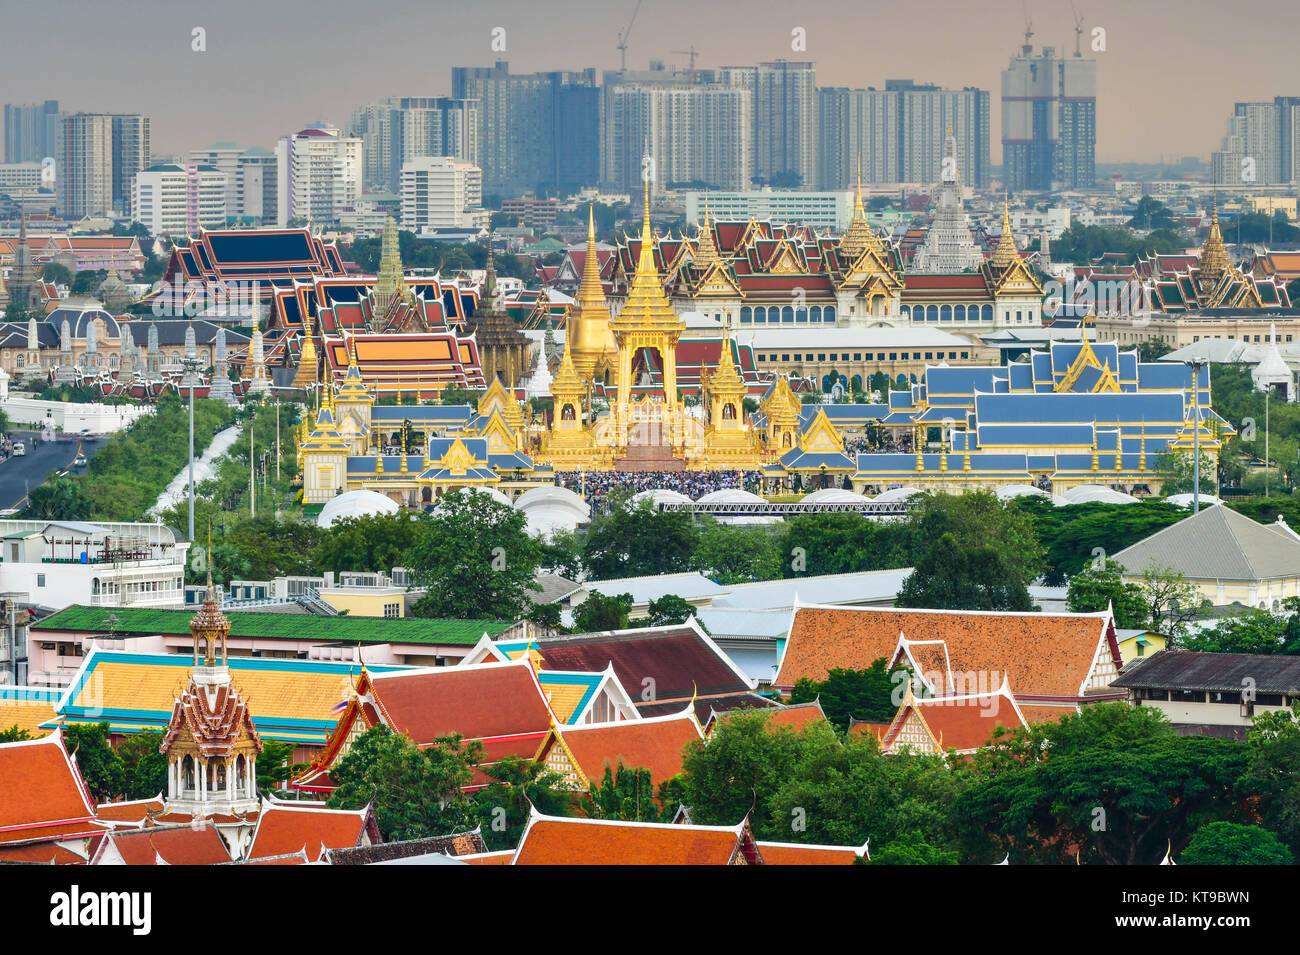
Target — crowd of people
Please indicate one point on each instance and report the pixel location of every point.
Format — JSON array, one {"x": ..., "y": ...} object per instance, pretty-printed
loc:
[{"x": 595, "y": 485}]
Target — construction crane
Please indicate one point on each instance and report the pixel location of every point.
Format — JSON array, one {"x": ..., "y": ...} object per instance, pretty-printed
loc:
[
  {"x": 692, "y": 53},
  {"x": 1028, "y": 48},
  {"x": 1078, "y": 29},
  {"x": 622, "y": 37}
]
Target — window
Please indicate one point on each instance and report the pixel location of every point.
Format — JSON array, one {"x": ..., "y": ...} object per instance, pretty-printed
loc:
[
  {"x": 746, "y": 315},
  {"x": 40, "y": 580},
  {"x": 785, "y": 357},
  {"x": 392, "y": 611},
  {"x": 945, "y": 313},
  {"x": 821, "y": 356},
  {"x": 857, "y": 356}
]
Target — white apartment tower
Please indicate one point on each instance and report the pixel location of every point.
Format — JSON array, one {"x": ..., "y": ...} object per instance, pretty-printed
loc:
[
  {"x": 440, "y": 192},
  {"x": 319, "y": 174}
]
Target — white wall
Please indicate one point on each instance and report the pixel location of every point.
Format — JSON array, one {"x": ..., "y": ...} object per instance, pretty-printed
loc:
[{"x": 71, "y": 416}]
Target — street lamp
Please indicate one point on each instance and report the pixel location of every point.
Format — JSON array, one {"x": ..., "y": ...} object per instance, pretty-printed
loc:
[
  {"x": 1196, "y": 365},
  {"x": 191, "y": 363}
]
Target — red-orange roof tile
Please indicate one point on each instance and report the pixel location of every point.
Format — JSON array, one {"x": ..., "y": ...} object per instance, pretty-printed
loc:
[
  {"x": 550, "y": 841},
  {"x": 42, "y": 794},
  {"x": 284, "y": 829},
  {"x": 653, "y": 744},
  {"x": 183, "y": 845}
]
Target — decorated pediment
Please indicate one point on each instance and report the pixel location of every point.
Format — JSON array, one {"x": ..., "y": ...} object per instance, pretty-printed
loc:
[
  {"x": 1017, "y": 280},
  {"x": 821, "y": 435}
]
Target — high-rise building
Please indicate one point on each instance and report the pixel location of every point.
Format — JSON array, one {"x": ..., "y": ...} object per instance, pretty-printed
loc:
[
  {"x": 440, "y": 192},
  {"x": 784, "y": 127},
  {"x": 402, "y": 128},
  {"x": 1260, "y": 144},
  {"x": 519, "y": 115},
  {"x": 179, "y": 200},
  {"x": 131, "y": 154},
  {"x": 224, "y": 157},
  {"x": 84, "y": 157},
  {"x": 29, "y": 131},
  {"x": 258, "y": 186},
  {"x": 1049, "y": 121},
  {"x": 693, "y": 133},
  {"x": 318, "y": 174},
  {"x": 898, "y": 133}
]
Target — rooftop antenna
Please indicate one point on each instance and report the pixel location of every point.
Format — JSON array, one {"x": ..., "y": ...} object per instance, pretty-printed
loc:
[
  {"x": 1078, "y": 28},
  {"x": 622, "y": 37},
  {"x": 1028, "y": 48}
]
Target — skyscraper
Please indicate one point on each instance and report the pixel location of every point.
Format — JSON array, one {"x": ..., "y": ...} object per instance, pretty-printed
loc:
[
  {"x": 85, "y": 164},
  {"x": 131, "y": 151},
  {"x": 1260, "y": 144},
  {"x": 784, "y": 126},
  {"x": 1049, "y": 121},
  {"x": 318, "y": 174},
  {"x": 694, "y": 132},
  {"x": 29, "y": 131},
  {"x": 899, "y": 133},
  {"x": 518, "y": 120}
]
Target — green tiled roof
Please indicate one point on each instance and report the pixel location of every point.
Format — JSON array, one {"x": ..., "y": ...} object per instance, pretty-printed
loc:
[{"x": 287, "y": 626}]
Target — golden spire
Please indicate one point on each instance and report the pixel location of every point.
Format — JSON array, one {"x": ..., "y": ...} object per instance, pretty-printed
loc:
[
  {"x": 1006, "y": 254},
  {"x": 391, "y": 279},
  {"x": 707, "y": 251},
  {"x": 1214, "y": 255},
  {"x": 588, "y": 321},
  {"x": 646, "y": 304},
  {"x": 591, "y": 294},
  {"x": 859, "y": 236}
]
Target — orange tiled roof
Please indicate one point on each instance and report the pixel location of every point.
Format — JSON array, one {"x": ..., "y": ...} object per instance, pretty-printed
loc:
[
  {"x": 865, "y": 728},
  {"x": 182, "y": 845},
  {"x": 1043, "y": 655},
  {"x": 284, "y": 829},
  {"x": 788, "y": 853},
  {"x": 134, "y": 812},
  {"x": 654, "y": 744},
  {"x": 502, "y": 857},
  {"x": 960, "y": 722},
  {"x": 45, "y": 853},
  {"x": 42, "y": 794},
  {"x": 1045, "y": 714},
  {"x": 478, "y": 702},
  {"x": 796, "y": 717},
  {"x": 553, "y": 841}
]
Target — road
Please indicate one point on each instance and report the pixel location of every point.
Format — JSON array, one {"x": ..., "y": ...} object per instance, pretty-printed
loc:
[{"x": 18, "y": 475}]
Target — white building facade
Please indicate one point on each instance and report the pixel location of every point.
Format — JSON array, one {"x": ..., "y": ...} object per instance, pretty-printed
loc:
[{"x": 440, "y": 192}]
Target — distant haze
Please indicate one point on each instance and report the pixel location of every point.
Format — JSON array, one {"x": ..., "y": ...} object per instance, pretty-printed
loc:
[{"x": 1166, "y": 83}]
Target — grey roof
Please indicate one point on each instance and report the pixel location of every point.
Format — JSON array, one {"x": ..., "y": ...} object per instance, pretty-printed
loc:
[
  {"x": 873, "y": 586},
  {"x": 754, "y": 624},
  {"x": 554, "y": 587},
  {"x": 688, "y": 586},
  {"x": 1230, "y": 672},
  {"x": 1218, "y": 544}
]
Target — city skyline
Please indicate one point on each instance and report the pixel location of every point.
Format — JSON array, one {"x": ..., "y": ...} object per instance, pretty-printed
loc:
[{"x": 1147, "y": 110}]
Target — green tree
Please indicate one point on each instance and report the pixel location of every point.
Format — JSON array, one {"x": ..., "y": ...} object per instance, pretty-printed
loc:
[
  {"x": 1252, "y": 631},
  {"x": 1099, "y": 586},
  {"x": 1116, "y": 805},
  {"x": 1172, "y": 600},
  {"x": 368, "y": 542},
  {"x": 546, "y": 616},
  {"x": 965, "y": 577},
  {"x": 1231, "y": 843},
  {"x": 518, "y": 785},
  {"x": 1273, "y": 774},
  {"x": 743, "y": 767},
  {"x": 1176, "y": 468},
  {"x": 731, "y": 555},
  {"x": 562, "y": 554},
  {"x": 911, "y": 848},
  {"x": 58, "y": 499},
  {"x": 853, "y": 794},
  {"x": 274, "y": 764},
  {"x": 14, "y": 734},
  {"x": 144, "y": 768},
  {"x": 56, "y": 273},
  {"x": 475, "y": 558},
  {"x": 100, "y": 766},
  {"x": 841, "y": 543},
  {"x": 668, "y": 610},
  {"x": 417, "y": 793},
  {"x": 628, "y": 795},
  {"x": 600, "y": 612},
  {"x": 853, "y": 694},
  {"x": 639, "y": 541}
]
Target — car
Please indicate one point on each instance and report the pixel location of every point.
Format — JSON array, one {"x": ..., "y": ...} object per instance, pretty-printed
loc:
[
  {"x": 79, "y": 461},
  {"x": 19, "y": 449}
]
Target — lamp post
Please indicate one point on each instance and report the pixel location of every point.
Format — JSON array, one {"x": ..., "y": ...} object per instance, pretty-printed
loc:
[
  {"x": 191, "y": 364},
  {"x": 1196, "y": 364}
]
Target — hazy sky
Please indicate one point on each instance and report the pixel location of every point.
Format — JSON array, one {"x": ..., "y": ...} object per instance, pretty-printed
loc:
[{"x": 1166, "y": 83}]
